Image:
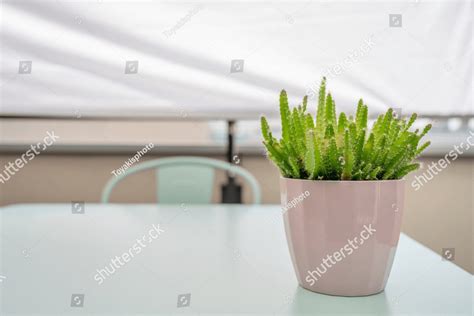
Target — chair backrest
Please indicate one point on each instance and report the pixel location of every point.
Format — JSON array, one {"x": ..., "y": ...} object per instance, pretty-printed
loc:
[{"x": 185, "y": 179}]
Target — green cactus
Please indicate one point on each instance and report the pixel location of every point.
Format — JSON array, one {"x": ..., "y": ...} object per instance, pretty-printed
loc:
[{"x": 329, "y": 147}]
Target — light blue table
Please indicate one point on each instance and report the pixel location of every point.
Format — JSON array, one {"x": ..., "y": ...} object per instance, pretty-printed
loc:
[{"x": 229, "y": 259}]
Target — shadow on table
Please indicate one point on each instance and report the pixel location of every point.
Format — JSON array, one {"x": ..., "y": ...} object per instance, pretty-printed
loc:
[{"x": 304, "y": 301}]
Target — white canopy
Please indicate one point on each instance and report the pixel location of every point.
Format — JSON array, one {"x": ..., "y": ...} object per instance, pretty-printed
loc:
[{"x": 180, "y": 56}]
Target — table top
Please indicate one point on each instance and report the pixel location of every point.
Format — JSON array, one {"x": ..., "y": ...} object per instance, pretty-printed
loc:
[{"x": 187, "y": 259}]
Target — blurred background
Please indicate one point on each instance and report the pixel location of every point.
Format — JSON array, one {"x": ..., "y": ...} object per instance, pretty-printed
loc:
[{"x": 193, "y": 78}]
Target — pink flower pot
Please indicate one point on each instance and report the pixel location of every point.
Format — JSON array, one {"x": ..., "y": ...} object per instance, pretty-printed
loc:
[{"x": 342, "y": 235}]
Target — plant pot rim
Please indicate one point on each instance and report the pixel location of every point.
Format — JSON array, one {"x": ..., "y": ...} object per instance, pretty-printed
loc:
[{"x": 344, "y": 181}]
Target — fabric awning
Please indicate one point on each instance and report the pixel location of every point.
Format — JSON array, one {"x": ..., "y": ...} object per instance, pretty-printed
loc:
[{"x": 231, "y": 59}]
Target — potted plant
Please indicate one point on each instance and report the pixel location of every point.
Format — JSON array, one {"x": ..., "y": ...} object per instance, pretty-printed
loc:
[{"x": 342, "y": 192}]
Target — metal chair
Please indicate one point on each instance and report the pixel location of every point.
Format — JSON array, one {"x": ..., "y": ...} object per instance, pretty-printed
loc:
[{"x": 185, "y": 179}]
